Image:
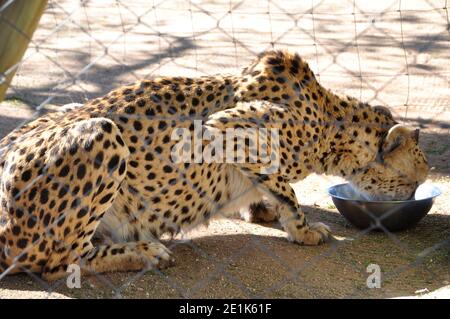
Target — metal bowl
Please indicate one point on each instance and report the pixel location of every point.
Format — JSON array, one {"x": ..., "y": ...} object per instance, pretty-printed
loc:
[{"x": 393, "y": 215}]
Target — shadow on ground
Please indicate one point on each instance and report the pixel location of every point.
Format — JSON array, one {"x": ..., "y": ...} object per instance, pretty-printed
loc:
[
  {"x": 99, "y": 78},
  {"x": 234, "y": 259}
]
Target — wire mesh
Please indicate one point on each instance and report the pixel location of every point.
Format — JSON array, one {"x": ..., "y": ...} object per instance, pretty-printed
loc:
[{"x": 390, "y": 53}]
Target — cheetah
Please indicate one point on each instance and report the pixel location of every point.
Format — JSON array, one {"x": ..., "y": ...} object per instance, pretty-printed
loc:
[{"x": 106, "y": 170}]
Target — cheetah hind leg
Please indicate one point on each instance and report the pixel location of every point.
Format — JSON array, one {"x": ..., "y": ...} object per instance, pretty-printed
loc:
[
  {"x": 262, "y": 212},
  {"x": 134, "y": 256},
  {"x": 131, "y": 256}
]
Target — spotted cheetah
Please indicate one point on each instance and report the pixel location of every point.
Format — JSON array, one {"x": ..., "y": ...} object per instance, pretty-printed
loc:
[{"x": 106, "y": 169}]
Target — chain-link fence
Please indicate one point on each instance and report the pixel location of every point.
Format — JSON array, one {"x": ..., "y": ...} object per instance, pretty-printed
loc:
[{"x": 391, "y": 53}]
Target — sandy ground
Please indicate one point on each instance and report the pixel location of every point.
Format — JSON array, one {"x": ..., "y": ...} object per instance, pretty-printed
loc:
[{"x": 232, "y": 258}]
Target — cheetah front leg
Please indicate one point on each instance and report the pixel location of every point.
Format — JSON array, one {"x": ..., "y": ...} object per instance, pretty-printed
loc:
[
  {"x": 290, "y": 214},
  {"x": 276, "y": 185}
]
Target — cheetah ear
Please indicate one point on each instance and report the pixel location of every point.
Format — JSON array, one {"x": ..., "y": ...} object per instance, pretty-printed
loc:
[
  {"x": 383, "y": 110},
  {"x": 415, "y": 135},
  {"x": 398, "y": 136}
]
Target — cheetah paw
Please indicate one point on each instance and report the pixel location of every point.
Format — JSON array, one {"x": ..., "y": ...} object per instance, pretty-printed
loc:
[
  {"x": 313, "y": 235},
  {"x": 157, "y": 255}
]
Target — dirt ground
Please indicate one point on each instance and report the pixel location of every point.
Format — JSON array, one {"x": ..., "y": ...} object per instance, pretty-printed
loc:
[{"x": 232, "y": 258}]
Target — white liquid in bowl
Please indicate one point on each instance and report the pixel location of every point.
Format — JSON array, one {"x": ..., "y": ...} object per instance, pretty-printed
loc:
[
  {"x": 426, "y": 191},
  {"x": 347, "y": 191}
]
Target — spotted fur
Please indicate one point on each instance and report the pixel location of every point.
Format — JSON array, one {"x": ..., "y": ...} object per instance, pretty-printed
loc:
[{"x": 105, "y": 169}]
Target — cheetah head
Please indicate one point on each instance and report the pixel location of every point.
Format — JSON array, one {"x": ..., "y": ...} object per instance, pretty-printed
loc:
[{"x": 399, "y": 167}]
